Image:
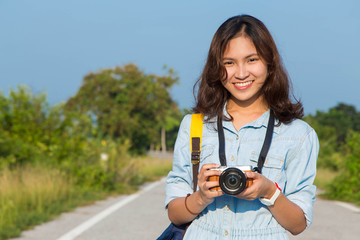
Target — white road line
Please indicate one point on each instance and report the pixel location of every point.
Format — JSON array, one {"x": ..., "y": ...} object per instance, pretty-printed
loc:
[
  {"x": 348, "y": 206},
  {"x": 100, "y": 216}
]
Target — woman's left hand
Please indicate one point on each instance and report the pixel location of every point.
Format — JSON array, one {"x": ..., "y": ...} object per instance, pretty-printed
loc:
[{"x": 261, "y": 187}]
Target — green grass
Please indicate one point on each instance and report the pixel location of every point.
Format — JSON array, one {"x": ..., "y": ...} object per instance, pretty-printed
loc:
[
  {"x": 36, "y": 194},
  {"x": 28, "y": 196}
]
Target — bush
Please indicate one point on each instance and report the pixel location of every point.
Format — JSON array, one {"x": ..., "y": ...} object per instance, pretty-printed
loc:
[
  {"x": 52, "y": 159},
  {"x": 346, "y": 185},
  {"x": 31, "y": 131}
]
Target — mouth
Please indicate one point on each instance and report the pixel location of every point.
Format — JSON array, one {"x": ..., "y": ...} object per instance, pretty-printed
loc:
[{"x": 243, "y": 85}]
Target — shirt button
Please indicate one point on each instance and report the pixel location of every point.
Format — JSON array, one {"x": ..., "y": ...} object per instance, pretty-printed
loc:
[
  {"x": 237, "y": 137},
  {"x": 226, "y": 233},
  {"x": 232, "y": 158}
]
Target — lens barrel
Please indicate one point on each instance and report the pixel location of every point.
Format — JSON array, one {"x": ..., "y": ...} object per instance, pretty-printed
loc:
[{"x": 232, "y": 181}]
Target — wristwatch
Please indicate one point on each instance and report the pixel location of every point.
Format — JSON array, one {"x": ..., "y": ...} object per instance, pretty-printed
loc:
[{"x": 271, "y": 201}]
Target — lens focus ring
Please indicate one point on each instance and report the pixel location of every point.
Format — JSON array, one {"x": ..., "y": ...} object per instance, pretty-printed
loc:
[{"x": 232, "y": 181}]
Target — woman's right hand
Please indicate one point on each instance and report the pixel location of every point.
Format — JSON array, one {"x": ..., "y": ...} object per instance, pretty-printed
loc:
[
  {"x": 206, "y": 195},
  {"x": 179, "y": 212}
]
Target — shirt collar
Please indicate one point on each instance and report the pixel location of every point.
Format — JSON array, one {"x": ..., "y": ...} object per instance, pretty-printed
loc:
[{"x": 262, "y": 121}]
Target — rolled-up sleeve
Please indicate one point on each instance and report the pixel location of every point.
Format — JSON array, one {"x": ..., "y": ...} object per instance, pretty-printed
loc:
[
  {"x": 179, "y": 180},
  {"x": 301, "y": 172}
]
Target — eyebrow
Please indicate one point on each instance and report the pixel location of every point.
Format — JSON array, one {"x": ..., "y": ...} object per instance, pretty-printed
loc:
[
  {"x": 248, "y": 56},
  {"x": 251, "y": 55}
]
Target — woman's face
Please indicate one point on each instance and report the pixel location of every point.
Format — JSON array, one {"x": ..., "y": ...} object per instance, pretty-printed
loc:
[{"x": 246, "y": 71}]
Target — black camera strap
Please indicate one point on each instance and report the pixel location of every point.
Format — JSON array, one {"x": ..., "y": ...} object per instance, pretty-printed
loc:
[
  {"x": 267, "y": 142},
  {"x": 264, "y": 149},
  {"x": 221, "y": 136}
]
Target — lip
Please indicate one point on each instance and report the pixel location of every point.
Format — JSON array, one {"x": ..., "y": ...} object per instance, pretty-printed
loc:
[{"x": 243, "y": 85}]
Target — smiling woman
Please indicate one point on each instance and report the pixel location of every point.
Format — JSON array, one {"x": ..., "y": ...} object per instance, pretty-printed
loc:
[{"x": 242, "y": 87}]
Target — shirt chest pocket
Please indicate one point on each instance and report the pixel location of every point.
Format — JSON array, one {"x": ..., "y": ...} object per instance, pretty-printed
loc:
[
  {"x": 207, "y": 155},
  {"x": 273, "y": 165}
]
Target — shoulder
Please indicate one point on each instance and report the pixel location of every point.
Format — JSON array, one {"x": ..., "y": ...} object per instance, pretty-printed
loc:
[
  {"x": 185, "y": 125},
  {"x": 297, "y": 129},
  {"x": 300, "y": 139},
  {"x": 186, "y": 121}
]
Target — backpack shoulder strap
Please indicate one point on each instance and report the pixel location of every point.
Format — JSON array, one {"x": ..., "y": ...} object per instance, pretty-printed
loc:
[{"x": 195, "y": 139}]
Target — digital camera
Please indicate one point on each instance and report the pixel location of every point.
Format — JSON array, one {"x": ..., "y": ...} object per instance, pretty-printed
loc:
[{"x": 232, "y": 180}]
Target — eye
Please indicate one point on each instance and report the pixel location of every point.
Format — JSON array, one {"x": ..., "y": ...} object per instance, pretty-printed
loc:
[
  {"x": 228, "y": 63},
  {"x": 253, "y": 59}
]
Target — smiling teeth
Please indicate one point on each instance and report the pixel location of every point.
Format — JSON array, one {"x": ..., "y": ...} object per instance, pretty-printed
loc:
[{"x": 243, "y": 84}]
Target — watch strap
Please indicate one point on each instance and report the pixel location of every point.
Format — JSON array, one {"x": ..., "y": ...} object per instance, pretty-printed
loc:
[{"x": 271, "y": 201}]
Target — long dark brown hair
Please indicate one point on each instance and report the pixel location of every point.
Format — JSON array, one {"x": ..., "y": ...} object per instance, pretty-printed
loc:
[{"x": 212, "y": 95}]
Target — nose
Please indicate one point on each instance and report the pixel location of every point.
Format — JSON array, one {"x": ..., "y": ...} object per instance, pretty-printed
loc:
[{"x": 242, "y": 72}]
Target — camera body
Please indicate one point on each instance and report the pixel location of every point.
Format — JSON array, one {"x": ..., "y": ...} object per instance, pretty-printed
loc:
[{"x": 232, "y": 180}]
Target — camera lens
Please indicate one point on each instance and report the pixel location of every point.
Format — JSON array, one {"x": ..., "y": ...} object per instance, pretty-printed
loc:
[{"x": 232, "y": 181}]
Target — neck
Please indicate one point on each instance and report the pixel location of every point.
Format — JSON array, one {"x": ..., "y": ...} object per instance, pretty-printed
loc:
[
  {"x": 244, "y": 113},
  {"x": 257, "y": 106}
]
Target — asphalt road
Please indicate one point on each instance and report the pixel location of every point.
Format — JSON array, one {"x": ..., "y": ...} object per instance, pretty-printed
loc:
[{"x": 142, "y": 216}]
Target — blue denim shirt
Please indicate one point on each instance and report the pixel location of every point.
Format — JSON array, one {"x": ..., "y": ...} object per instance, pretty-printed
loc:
[{"x": 291, "y": 162}]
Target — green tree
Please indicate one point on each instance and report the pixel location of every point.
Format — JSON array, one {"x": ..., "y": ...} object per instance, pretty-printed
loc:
[
  {"x": 128, "y": 104},
  {"x": 346, "y": 185},
  {"x": 32, "y": 131},
  {"x": 342, "y": 118},
  {"x": 333, "y": 128}
]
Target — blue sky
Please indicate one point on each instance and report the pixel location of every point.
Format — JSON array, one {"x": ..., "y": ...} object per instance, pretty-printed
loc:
[{"x": 50, "y": 45}]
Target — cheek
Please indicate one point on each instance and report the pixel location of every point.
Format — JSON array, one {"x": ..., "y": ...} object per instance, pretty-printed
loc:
[
  {"x": 229, "y": 72},
  {"x": 226, "y": 77},
  {"x": 225, "y": 83},
  {"x": 261, "y": 72}
]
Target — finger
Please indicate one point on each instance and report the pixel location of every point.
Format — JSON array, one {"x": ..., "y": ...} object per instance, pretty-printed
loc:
[
  {"x": 252, "y": 175},
  {"x": 206, "y": 185},
  {"x": 211, "y": 184},
  {"x": 210, "y": 173},
  {"x": 216, "y": 193},
  {"x": 247, "y": 194},
  {"x": 206, "y": 174},
  {"x": 209, "y": 192},
  {"x": 214, "y": 190},
  {"x": 210, "y": 166}
]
